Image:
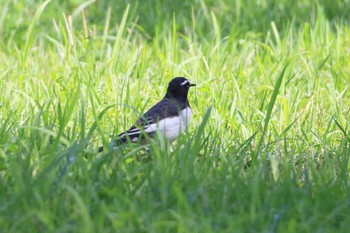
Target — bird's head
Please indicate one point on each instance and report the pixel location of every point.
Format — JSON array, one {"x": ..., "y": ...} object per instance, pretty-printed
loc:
[{"x": 178, "y": 88}]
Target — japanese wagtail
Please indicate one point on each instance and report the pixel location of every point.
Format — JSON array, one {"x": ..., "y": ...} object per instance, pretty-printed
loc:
[{"x": 169, "y": 117}]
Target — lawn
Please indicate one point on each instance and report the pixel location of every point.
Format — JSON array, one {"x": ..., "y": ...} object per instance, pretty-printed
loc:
[{"x": 268, "y": 149}]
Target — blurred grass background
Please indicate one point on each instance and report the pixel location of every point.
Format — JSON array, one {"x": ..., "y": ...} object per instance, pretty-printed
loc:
[
  {"x": 272, "y": 156},
  {"x": 152, "y": 17}
]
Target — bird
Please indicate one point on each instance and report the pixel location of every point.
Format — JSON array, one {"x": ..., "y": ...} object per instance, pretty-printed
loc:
[{"x": 169, "y": 117}]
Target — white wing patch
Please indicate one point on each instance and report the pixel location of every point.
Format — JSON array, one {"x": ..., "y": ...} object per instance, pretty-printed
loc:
[{"x": 135, "y": 131}]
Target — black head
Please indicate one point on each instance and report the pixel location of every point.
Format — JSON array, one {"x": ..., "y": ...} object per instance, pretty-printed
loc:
[{"x": 178, "y": 88}]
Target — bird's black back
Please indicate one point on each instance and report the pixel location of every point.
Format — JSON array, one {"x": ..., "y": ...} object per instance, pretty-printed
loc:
[{"x": 167, "y": 107}]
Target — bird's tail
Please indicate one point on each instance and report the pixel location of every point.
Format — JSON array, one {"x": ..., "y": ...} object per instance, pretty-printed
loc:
[
  {"x": 100, "y": 149},
  {"x": 113, "y": 144}
]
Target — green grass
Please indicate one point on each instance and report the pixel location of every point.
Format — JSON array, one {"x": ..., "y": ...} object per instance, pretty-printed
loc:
[{"x": 267, "y": 150}]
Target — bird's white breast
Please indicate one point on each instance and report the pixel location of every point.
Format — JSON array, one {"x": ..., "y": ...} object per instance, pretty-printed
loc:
[
  {"x": 185, "y": 116},
  {"x": 173, "y": 126}
]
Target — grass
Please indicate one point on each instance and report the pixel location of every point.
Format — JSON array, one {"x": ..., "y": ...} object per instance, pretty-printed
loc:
[{"x": 268, "y": 148}]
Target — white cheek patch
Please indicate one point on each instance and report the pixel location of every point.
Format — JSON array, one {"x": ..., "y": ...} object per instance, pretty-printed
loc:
[{"x": 185, "y": 82}]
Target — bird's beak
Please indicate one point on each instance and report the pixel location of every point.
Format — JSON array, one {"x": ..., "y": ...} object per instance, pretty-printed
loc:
[{"x": 192, "y": 85}]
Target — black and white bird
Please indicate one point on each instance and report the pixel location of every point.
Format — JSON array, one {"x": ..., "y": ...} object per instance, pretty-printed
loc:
[{"x": 169, "y": 117}]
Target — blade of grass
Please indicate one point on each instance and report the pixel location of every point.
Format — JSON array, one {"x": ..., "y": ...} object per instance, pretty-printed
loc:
[
  {"x": 121, "y": 28},
  {"x": 270, "y": 108},
  {"x": 341, "y": 129},
  {"x": 35, "y": 20},
  {"x": 196, "y": 141}
]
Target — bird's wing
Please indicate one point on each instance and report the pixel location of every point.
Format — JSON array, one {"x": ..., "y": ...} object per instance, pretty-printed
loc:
[{"x": 147, "y": 124}]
